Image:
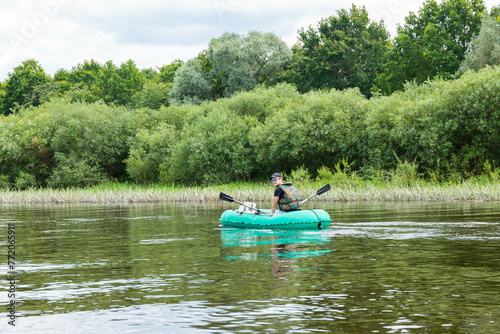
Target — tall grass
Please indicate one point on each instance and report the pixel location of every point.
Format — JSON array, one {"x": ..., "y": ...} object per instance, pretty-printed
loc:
[{"x": 348, "y": 190}]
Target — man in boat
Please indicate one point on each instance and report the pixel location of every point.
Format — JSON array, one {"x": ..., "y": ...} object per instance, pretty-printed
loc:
[{"x": 286, "y": 197}]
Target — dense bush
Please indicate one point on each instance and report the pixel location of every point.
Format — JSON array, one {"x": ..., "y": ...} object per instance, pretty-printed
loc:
[
  {"x": 214, "y": 149},
  {"x": 445, "y": 127},
  {"x": 316, "y": 130},
  {"x": 439, "y": 130},
  {"x": 64, "y": 144},
  {"x": 25, "y": 148},
  {"x": 92, "y": 133},
  {"x": 150, "y": 153}
]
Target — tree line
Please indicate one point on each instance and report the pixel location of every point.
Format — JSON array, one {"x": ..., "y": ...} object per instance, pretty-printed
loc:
[{"x": 345, "y": 50}]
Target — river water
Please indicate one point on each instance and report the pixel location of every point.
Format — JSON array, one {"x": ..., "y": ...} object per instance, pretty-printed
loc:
[{"x": 163, "y": 268}]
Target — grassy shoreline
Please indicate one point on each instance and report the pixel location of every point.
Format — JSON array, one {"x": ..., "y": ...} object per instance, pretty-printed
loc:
[{"x": 256, "y": 192}]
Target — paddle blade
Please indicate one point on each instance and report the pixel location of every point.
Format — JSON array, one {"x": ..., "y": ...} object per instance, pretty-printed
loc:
[
  {"x": 323, "y": 190},
  {"x": 226, "y": 198}
]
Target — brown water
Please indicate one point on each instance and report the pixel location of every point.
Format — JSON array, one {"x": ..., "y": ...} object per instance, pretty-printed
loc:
[{"x": 379, "y": 268}]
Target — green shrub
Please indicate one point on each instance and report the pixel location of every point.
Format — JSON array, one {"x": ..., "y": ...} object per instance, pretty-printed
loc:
[
  {"x": 325, "y": 175},
  {"x": 24, "y": 145},
  {"x": 5, "y": 183},
  {"x": 150, "y": 149},
  {"x": 73, "y": 172},
  {"x": 152, "y": 96},
  {"x": 341, "y": 176},
  {"x": 300, "y": 175},
  {"x": 214, "y": 149},
  {"x": 262, "y": 102},
  {"x": 93, "y": 133},
  {"x": 405, "y": 174},
  {"x": 318, "y": 130},
  {"x": 25, "y": 181}
]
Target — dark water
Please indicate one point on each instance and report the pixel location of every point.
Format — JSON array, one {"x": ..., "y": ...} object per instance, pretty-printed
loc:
[{"x": 379, "y": 268}]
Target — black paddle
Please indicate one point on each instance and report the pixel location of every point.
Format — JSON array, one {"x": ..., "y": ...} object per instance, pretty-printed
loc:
[
  {"x": 229, "y": 199},
  {"x": 319, "y": 192}
]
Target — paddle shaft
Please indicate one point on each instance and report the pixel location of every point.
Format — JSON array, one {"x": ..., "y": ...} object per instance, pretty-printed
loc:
[
  {"x": 319, "y": 192},
  {"x": 228, "y": 198},
  {"x": 307, "y": 199}
]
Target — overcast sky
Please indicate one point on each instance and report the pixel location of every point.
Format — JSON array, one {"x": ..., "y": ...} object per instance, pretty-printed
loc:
[{"x": 63, "y": 33}]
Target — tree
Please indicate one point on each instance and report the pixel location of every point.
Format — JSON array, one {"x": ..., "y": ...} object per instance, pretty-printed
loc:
[
  {"x": 344, "y": 51},
  {"x": 485, "y": 47},
  {"x": 152, "y": 96},
  {"x": 191, "y": 85},
  {"x": 118, "y": 85},
  {"x": 20, "y": 84},
  {"x": 432, "y": 43},
  {"x": 167, "y": 72},
  {"x": 242, "y": 62},
  {"x": 86, "y": 73}
]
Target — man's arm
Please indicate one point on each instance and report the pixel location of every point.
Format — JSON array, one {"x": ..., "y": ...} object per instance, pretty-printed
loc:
[{"x": 275, "y": 204}]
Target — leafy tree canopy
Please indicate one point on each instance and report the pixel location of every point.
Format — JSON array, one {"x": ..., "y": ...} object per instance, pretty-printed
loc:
[
  {"x": 191, "y": 85},
  {"x": 432, "y": 43},
  {"x": 485, "y": 47},
  {"x": 167, "y": 72},
  {"x": 344, "y": 51},
  {"x": 20, "y": 84},
  {"x": 231, "y": 64},
  {"x": 242, "y": 62}
]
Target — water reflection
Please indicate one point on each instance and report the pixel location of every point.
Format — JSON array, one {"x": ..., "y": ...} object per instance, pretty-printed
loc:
[
  {"x": 258, "y": 244},
  {"x": 280, "y": 247},
  {"x": 379, "y": 267}
]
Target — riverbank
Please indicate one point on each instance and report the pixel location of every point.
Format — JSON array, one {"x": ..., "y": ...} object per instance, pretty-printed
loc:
[{"x": 256, "y": 192}]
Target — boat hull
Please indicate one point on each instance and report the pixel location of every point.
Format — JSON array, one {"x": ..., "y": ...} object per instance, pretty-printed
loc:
[{"x": 302, "y": 219}]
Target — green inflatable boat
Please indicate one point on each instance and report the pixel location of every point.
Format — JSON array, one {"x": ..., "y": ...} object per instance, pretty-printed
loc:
[
  {"x": 301, "y": 219},
  {"x": 249, "y": 216}
]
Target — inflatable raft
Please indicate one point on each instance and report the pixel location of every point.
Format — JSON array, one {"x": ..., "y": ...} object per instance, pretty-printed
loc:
[{"x": 301, "y": 219}]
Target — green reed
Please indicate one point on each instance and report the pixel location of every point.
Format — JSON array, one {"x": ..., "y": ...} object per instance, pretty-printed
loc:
[{"x": 472, "y": 190}]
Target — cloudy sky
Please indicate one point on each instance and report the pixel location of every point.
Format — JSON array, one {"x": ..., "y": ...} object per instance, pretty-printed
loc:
[{"x": 63, "y": 33}]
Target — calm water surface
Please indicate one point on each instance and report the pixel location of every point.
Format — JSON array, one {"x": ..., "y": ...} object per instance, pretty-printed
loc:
[{"x": 379, "y": 268}]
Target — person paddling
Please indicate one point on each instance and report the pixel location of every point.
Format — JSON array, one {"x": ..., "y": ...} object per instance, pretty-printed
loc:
[{"x": 286, "y": 197}]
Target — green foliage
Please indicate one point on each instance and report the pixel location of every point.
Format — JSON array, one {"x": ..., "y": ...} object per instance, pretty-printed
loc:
[
  {"x": 93, "y": 133},
  {"x": 90, "y": 82},
  {"x": 149, "y": 150},
  {"x": 42, "y": 93},
  {"x": 444, "y": 130},
  {"x": 344, "y": 51},
  {"x": 431, "y": 44},
  {"x": 262, "y": 102},
  {"x": 242, "y": 62},
  {"x": 485, "y": 47},
  {"x": 191, "y": 85},
  {"x": 316, "y": 130},
  {"x": 232, "y": 63},
  {"x": 5, "y": 183},
  {"x": 341, "y": 176},
  {"x": 167, "y": 72},
  {"x": 300, "y": 175},
  {"x": 118, "y": 85},
  {"x": 153, "y": 96},
  {"x": 86, "y": 73},
  {"x": 20, "y": 84},
  {"x": 448, "y": 127},
  {"x": 71, "y": 171},
  {"x": 25, "y": 181},
  {"x": 405, "y": 174},
  {"x": 214, "y": 149},
  {"x": 24, "y": 146},
  {"x": 50, "y": 141}
]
